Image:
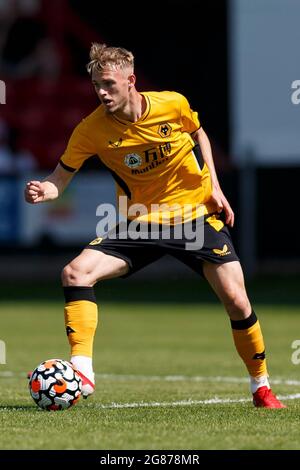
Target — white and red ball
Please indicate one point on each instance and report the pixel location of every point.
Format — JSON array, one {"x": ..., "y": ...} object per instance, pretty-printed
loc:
[{"x": 55, "y": 385}]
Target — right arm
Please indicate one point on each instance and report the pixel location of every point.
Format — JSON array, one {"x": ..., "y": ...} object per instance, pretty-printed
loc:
[{"x": 50, "y": 188}]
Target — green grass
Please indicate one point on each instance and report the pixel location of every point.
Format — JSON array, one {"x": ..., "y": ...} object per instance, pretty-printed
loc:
[{"x": 138, "y": 345}]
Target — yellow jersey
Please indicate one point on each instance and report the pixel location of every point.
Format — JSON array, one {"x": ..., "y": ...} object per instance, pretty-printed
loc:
[{"x": 154, "y": 160}]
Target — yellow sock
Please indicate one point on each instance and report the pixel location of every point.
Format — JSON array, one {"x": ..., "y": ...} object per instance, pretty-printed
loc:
[
  {"x": 249, "y": 343},
  {"x": 81, "y": 318}
]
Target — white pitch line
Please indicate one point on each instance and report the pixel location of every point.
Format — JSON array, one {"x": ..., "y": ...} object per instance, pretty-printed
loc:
[
  {"x": 156, "y": 404},
  {"x": 210, "y": 401},
  {"x": 8, "y": 373},
  {"x": 174, "y": 378},
  {"x": 187, "y": 378},
  {"x": 171, "y": 378},
  {"x": 168, "y": 378}
]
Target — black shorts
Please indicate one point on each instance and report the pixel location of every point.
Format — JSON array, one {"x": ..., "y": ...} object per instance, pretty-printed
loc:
[{"x": 215, "y": 245}]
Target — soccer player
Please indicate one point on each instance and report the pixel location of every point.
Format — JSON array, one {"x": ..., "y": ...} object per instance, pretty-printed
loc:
[{"x": 161, "y": 159}]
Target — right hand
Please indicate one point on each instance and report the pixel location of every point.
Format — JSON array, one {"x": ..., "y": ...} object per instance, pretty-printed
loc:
[{"x": 34, "y": 192}]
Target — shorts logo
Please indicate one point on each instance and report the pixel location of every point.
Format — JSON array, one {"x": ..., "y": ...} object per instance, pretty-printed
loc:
[
  {"x": 165, "y": 130},
  {"x": 97, "y": 241},
  {"x": 222, "y": 252},
  {"x": 132, "y": 160}
]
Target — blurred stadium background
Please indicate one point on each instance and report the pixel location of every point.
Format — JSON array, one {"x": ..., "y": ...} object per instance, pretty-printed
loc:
[{"x": 235, "y": 60}]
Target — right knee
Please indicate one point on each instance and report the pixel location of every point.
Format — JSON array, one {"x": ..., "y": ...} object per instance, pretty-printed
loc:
[{"x": 72, "y": 276}]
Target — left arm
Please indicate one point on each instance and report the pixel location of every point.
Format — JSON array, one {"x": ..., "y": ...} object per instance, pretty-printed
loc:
[{"x": 218, "y": 197}]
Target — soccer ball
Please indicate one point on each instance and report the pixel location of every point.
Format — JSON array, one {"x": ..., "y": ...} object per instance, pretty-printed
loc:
[{"x": 55, "y": 385}]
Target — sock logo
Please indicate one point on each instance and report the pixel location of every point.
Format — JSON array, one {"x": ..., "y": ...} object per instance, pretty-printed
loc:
[
  {"x": 69, "y": 330},
  {"x": 261, "y": 356}
]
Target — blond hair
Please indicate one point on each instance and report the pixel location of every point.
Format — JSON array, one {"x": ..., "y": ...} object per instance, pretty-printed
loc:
[{"x": 113, "y": 57}]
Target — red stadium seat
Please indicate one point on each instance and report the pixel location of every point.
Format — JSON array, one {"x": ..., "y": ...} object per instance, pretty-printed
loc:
[{"x": 45, "y": 113}]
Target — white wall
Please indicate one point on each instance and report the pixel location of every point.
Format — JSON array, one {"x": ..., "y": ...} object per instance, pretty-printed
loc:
[
  {"x": 71, "y": 219},
  {"x": 264, "y": 61}
]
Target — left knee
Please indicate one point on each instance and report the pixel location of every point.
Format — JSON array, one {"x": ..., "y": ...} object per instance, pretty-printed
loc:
[{"x": 238, "y": 306}]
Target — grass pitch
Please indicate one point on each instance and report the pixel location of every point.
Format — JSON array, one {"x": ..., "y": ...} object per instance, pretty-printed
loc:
[{"x": 168, "y": 377}]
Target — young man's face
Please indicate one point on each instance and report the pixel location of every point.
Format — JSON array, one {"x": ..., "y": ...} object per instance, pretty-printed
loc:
[{"x": 112, "y": 88}]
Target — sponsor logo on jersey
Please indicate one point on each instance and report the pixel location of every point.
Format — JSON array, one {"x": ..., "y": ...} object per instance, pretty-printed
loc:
[
  {"x": 155, "y": 156},
  {"x": 132, "y": 160},
  {"x": 225, "y": 251}
]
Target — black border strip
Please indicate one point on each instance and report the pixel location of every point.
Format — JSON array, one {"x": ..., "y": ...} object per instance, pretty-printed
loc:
[{"x": 236, "y": 459}]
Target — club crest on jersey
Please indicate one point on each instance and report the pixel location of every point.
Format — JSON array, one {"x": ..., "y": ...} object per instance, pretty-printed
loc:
[
  {"x": 132, "y": 160},
  {"x": 165, "y": 130}
]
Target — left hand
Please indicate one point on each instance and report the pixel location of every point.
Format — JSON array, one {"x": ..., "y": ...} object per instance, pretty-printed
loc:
[{"x": 223, "y": 205}]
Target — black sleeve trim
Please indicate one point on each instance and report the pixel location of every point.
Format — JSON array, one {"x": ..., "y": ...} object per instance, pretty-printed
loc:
[
  {"x": 192, "y": 133},
  {"x": 67, "y": 168}
]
